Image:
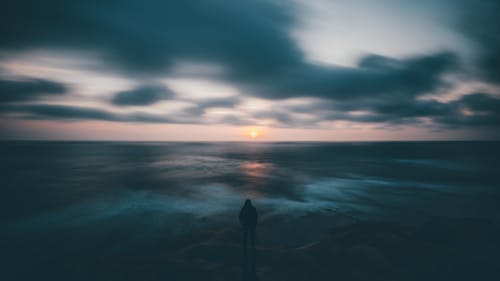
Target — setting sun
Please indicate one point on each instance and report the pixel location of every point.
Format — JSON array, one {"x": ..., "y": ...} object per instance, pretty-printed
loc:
[{"x": 253, "y": 133}]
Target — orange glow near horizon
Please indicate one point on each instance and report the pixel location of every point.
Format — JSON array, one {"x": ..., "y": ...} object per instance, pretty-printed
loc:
[
  {"x": 15, "y": 129},
  {"x": 253, "y": 133}
]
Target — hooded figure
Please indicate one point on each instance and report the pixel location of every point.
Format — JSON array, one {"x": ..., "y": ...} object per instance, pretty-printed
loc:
[
  {"x": 248, "y": 220},
  {"x": 248, "y": 216}
]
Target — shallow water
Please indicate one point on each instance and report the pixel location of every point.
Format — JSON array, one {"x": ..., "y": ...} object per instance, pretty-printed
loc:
[{"x": 120, "y": 210}]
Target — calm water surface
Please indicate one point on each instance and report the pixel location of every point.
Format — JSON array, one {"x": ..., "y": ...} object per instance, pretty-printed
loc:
[{"x": 117, "y": 210}]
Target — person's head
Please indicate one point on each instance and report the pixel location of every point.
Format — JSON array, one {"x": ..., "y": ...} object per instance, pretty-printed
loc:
[{"x": 248, "y": 202}]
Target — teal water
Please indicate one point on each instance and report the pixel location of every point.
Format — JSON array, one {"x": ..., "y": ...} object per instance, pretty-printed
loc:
[{"x": 130, "y": 211}]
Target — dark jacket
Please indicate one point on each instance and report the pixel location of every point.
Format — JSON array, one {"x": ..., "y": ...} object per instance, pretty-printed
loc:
[{"x": 248, "y": 215}]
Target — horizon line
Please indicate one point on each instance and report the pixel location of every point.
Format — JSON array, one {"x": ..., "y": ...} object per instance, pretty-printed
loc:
[{"x": 247, "y": 141}]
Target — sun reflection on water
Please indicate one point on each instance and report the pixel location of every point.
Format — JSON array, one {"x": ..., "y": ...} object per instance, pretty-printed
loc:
[
  {"x": 255, "y": 169},
  {"x": 256, "y": 175}
]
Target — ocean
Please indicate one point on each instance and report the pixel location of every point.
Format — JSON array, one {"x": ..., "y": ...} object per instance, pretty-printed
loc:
[{"x": 326, "y": 211}]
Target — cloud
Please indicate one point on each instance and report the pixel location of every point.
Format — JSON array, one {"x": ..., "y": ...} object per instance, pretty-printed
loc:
[
  {"x": 143, "y": 95},
  {"x": 249, "y": 37},
  {"x": 473, "y": 110},
  {"x": 202, "y": 105},
  {"x": 29, "y": 89},
  {"x": 79, "y": 113},
  {"x": 480, "y": 23},
  {"x": 375, "y": 77},
  {"x": 469, "y": 111},
  {"x": 59, "y": 112},
  {"x": 73, "y": 113},
  {"x": 251, "y": 41}
]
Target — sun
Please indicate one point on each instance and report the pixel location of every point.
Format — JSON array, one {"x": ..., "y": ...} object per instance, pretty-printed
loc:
[{"x": 253, "y": 133}]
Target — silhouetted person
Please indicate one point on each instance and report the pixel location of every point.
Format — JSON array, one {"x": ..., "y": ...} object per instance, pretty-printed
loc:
[{"x": 248, "y": 220}]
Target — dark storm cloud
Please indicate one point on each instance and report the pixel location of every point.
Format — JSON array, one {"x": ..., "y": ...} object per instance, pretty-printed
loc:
[
  {"x": 375, "y": 77},
  {"x": 481, "y": 23},
  {"x": 249, "y": 37},
  {"x": 478, "y": 109},
  {"x": 480, "y": 102},
  {"x": 28, "y": 90},
  {"x": 143, "y": 95}
]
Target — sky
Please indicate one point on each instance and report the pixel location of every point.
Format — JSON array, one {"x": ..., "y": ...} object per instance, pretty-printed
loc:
[{"x": 218, "y": 70}]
